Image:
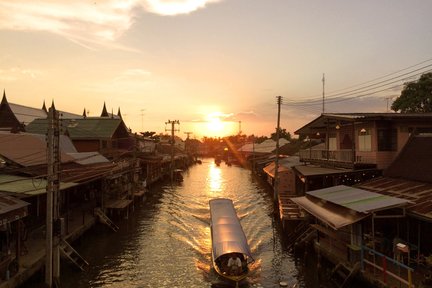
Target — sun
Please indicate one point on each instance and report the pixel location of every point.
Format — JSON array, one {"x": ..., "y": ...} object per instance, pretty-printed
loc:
[{"x": 215, "y": 125}]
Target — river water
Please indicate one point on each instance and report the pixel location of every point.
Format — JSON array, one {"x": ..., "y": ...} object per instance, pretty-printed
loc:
[{"x": 166, "y": 242}]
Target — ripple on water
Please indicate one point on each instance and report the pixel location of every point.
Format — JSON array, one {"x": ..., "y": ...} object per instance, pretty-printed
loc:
[{"x": 168, "y": 243}]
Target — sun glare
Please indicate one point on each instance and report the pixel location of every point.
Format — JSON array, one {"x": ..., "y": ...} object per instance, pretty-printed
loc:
[{"x": 215, "y": 125}]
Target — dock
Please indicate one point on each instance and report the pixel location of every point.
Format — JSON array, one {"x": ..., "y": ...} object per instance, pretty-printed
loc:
[{"x": 33, "y": 260}]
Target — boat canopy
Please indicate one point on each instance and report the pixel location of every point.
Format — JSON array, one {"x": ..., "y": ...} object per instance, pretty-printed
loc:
[{"x": 227, "y": 232}]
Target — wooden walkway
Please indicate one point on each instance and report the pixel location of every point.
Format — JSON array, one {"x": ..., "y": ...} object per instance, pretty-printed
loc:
[{"x": 289, "y": 210}]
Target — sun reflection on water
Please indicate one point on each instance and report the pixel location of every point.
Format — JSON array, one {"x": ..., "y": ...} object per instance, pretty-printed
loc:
[{"x": 214, "y": 178}]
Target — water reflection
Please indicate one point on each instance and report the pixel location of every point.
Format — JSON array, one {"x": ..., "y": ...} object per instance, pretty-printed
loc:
[
  {"x": 167, "y": 242},
  {"x": 215, "y": 178}
]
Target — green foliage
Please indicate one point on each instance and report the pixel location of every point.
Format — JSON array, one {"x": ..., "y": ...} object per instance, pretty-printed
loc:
[
  {"x": 416, "y": 96},
  {"x": 282, "y": 134}
]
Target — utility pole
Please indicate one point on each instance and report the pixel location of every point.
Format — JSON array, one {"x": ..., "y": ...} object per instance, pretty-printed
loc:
[
  {"x": 276, "y": 174},
  {"x": 187, "y": 143},
  {"x": 52, "y": 264},
  {"x": 142, "y": 119},
  {"x": 188, "y": 133},
  {"x": 323, "y": 93},
  {"x": 172, "y": 144}
]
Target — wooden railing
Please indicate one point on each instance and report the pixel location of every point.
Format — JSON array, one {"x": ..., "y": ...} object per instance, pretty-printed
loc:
[{"x": 343, "y": 156}]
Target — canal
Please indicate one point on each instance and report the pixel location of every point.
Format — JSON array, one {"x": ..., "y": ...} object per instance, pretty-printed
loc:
[{"x": 166, "y": 242}]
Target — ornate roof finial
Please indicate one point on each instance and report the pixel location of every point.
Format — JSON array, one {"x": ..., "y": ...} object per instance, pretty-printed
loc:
[
  {"x": 104, "y": 111},
  {"x": 4, "y": 100},
  {"x": 85, "y": 113},
  {"x": 119, "y": 113},
  {"x": 44, "y": 107}
]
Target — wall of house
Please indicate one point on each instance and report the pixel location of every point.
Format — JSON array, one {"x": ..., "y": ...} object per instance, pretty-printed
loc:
[
  {"x": 86, "y": 145},
  {"x": 287, "y": 181}
]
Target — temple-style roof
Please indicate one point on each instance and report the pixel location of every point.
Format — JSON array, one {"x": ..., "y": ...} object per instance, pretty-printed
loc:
[{"x": 84, "y": 128}]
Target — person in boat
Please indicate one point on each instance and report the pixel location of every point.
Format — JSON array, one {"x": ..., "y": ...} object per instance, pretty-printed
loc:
[{"x": 234, "y": 265}]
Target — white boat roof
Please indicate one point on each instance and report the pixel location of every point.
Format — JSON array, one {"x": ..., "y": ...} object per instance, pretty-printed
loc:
[{"x": 227, "y": 232}]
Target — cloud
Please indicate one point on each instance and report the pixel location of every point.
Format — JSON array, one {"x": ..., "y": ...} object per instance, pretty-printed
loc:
[
  {"x": 16, "y": 73},
  {"x": 175, "y": 7},
  {"x": 91, "y": 24}
]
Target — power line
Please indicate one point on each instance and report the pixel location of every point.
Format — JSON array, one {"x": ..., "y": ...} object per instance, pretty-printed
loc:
[
  {"x": 371, "y": 87},
  {"x": 355, "y": 93}
]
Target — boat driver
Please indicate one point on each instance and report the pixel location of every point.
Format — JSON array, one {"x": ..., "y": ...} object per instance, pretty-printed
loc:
[{"x": 234, "y": 264}]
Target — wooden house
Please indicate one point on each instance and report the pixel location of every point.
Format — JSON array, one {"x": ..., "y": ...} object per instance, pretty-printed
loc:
[
  {"x": 355, "y": 146},
  {"x": 106, "y": 135},
  {"x": 383, "y": 223}
]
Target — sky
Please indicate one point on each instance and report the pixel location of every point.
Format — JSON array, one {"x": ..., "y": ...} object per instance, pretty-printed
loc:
[{"x": 216, "y": 66}]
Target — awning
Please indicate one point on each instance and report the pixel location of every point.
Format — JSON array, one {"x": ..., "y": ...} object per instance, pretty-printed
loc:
[
  {"x": 357, "y": 199},
  {"x": 335, "y": 216},
  {"x": 12, "y": 209},
  {"x": 27, "y": 186},
  {"x": 310, "y": 170},
  {"x": 227, "y": 232}
]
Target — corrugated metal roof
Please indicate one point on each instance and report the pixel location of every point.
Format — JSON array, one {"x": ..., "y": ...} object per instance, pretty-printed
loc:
[
  {"x": 310, "y": 170},
  {"x": 85, "y": 158},
  {"x": 27, "y": 186},
  {"x": 8, "y": 204},
  {"x": 357, "y": 199},
  {"x": 414, "y": 161},
  {"x": 335, "y": 216},
  {"x": 331, "y": 119},
  {"x": 418, "y": 193},
  {"x": 267, "y": 146},
  {"x": 284, "y": 165},
  {"x": 26, "y": 149}
]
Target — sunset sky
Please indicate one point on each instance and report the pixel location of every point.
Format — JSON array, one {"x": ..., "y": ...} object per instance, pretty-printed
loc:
[{"x": 210, "y": 64}]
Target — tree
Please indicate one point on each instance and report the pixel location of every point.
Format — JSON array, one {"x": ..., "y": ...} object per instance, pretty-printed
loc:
[
  {"x": 282, "y": 134},
  {"x": 416, "y": 96}
]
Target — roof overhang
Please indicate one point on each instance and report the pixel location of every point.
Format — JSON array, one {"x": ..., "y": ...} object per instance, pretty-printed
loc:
[
  {"x": 333, "y": 215},
  {"x": 358, "y": 199}
]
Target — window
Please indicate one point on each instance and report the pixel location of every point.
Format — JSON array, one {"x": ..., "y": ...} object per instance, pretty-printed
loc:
[
  {"x": 387, "y": 139},
  {"x": 332, "y": 144},
  {"x": 365, "y": 140}
]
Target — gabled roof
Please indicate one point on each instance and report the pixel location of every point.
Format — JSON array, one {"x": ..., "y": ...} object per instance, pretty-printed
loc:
[
  {"x": 27, "y": 149},
  {"x": 30, "y": 150},
  {"x": 26, "y": 114},
  {"x": 267, "y": 146},
  {"x": 332, "y": 119},
  {"x": 84, "y": 128},
  {"x": 284, "y": 164},
  {"x": 414, "y": 162}
]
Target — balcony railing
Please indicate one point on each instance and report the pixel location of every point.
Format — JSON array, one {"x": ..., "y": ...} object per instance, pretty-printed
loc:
[{"x": 344, "y": 158}]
